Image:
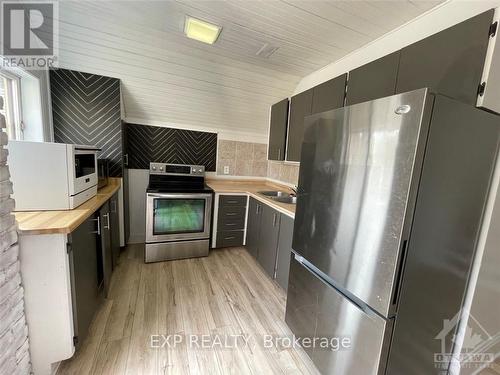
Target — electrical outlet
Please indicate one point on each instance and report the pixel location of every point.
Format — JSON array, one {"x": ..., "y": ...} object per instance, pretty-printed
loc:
[{"x": 226, "y": 169}]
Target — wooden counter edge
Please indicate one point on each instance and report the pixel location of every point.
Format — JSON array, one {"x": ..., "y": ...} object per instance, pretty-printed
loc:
[{"x": 101, "y": 199}]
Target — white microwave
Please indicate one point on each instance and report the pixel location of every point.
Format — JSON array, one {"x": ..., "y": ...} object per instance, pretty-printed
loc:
[{"x": 51, "y": 176}]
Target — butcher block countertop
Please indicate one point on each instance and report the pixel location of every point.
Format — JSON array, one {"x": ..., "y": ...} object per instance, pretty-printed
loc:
[
  {"x": 66, "y": 221},
  {"x": 252, "y": 187}
]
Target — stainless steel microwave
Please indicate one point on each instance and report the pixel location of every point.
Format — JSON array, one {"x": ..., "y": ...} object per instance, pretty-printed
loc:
[{"x": 52, "y": 176}]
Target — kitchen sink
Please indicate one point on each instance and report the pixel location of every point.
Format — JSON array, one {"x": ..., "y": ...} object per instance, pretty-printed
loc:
[
  {"x": 274, "y": 194},
  {"x": 286, "y": 199}
]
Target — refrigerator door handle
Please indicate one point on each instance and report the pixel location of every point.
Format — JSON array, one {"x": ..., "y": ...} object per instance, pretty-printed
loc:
[{"x": 399, "y": 274}]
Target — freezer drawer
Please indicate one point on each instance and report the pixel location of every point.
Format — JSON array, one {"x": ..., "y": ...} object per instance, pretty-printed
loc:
[
  {"x": 302, "y": 301},
  {"x": 316, "y": 309}
]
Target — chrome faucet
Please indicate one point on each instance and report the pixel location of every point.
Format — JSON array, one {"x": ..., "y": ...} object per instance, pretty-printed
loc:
[{"x": 294, "y": 190}]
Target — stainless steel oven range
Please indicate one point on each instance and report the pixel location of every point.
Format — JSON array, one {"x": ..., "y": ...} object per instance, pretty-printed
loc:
[{"x": 178, "y": 212}]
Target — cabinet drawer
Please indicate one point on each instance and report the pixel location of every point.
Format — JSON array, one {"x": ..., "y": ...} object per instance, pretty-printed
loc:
[
  {"x": 232, "y": 200},
  {"x": 230, "y": 223},
  {"x": 230, "y": 238},
  {"x": 231, "y": 213}
]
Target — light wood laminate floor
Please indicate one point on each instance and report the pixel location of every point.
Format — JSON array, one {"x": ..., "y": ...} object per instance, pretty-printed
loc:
[{"x": 224, "y": 294}]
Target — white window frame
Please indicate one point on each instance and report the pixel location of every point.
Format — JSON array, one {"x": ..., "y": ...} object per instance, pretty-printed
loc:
[{"x": 13, "y": 104}]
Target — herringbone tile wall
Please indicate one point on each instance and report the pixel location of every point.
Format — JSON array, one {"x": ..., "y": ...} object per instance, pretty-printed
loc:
[
  {"x": 86, "y": 110},
  {"x": 147, "y": 144}
]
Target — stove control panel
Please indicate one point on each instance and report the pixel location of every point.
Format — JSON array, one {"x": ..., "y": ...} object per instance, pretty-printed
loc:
[{"x": 176, "y": 169}]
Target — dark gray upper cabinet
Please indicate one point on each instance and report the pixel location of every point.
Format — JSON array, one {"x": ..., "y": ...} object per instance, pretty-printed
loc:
[
  {"x": 253, "y": 227},
  {"x": 277, "y": 130},
  {"x": 329, "y": 95},
  {"x": 284, "y": 251},
  {"x": 268, "y": 244},
  {"x": 300, "y": 106},
  {"x": 374, "y": 80},
  {"x": 450, "y": 62}
]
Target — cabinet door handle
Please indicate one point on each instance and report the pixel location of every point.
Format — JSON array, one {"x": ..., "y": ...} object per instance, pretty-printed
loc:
[
  {"x": 125, "y": 161},
  {"x": 107, "y": 220},
  {"x": 230, "y": 238},
  {"x": 98, "y": 220},
  {"x": 279, "y": 153},
  {"x": 274, "y": 219},
  {"x": 230, "y": 224},
  {"x": 256, "y": 209},
  {"x": 231, "y": 213},
  {"x": 232, "y": 201}
]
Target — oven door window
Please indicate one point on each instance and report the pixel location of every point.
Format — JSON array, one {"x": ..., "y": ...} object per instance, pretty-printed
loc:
[
  {"x": 174, "y": 216},
  {"x": 84, "y": 164}
]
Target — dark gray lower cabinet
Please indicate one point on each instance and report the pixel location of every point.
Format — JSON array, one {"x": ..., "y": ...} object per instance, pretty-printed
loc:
[
  {"x": 231, "y": 220},
  {"x": 268, "y": 241},
  {"x": 253, "y": 227},
  {"x": 105, "y": 246},
  {"x": 229, "y": 238},
  {"x": 115, "y": 232},
  {"x": 93, "y": 249},
  {"x": 82, "y": 249},
  {"x": 284, "y": 251}
]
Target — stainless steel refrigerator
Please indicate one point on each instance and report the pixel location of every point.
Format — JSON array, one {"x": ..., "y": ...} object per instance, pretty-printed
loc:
[{"x": 390, "y": 201}]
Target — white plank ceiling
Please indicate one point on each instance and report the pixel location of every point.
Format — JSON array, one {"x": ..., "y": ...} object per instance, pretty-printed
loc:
[{"x": 169, "y": 79}]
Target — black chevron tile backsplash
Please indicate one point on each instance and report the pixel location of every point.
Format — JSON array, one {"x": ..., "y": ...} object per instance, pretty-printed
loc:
[
  {"x": 147, "y": 144},
  {"x": 86, "y": 110}
]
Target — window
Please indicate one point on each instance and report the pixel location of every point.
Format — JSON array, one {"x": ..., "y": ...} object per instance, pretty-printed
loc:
[{"x": 10, "y": 91}]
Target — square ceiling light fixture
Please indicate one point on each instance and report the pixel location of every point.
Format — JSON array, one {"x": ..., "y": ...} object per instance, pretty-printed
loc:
[{"x": 200, "y": 30}]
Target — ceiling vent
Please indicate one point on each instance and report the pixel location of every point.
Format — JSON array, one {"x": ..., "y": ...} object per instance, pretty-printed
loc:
[{"x": 266, "y": 51}]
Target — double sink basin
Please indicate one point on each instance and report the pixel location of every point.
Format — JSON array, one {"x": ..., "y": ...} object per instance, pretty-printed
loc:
[{"x": 280, "y": 196}]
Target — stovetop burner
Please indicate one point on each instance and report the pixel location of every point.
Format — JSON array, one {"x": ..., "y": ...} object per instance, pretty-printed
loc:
[{"x": 178, "y": 178}]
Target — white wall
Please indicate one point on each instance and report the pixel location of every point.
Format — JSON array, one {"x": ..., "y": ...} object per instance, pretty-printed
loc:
[
  {"x": 137, "y": 183},
  {"x": 437, "y": 19}
]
